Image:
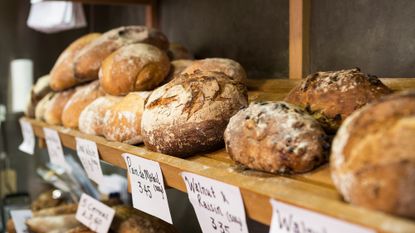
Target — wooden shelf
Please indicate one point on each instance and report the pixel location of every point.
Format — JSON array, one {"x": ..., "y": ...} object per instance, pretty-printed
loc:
[
  {"x": 313, "y": 191},
  {"x": 112, "y": 2}
]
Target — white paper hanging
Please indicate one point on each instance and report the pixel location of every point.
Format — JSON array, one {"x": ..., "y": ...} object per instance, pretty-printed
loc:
[{"x": 21, "y": 79}]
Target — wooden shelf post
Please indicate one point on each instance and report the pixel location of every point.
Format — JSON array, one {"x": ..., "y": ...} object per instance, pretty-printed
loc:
[{"x": 299, "y": 54}]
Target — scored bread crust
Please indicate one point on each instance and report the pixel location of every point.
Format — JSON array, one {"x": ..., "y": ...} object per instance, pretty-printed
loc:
[
  {"x": 190, "y": 113},
  {"x": 372, "y": 157},
  {"x": 135, "y": 67},
  {"x": 276, "y": 137},
  {"x": 332, "y": 96},
  {"x": 89, "y": 59}
]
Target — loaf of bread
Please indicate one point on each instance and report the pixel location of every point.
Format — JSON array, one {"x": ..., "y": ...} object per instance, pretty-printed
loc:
[
  {"x": 276, "y": 137},
  {"x": 58, "y": 223},
  {"x": 62, "y": 75},
  {"x": 332, "y": 96},
  {"x": 135, "y": 67},
  {"x": 38, "y": 91},
  {"x": 372, "y": 157},
  {"x": 176, "y": 68},
  {"x": 229, "y": 67},
  {"x": 91, "y": 120},
  {"x": 190, "y": 113},
  {"x": 57, "y": 210},
  {"x": 43, "y": 105},
  {"x": 122, "y": 121},
  {"x": 178, "y": 52},
  {"x": 82, "y": 97},
  {"x": 10, "y": 227},
  {"x": 80, "y": 229},
  {"x": 53, "y": 111},
  {"x": 89, "y": 59}
]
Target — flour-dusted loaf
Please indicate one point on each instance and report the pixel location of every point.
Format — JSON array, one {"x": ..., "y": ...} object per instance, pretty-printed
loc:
[
  {"x": 229, "y": 67},
  {"x": 91, "y": 120},
  {"x": 332, "y": 96},
  {"x": 135, "y": 67},
  {"x": 53, "y": 111},
  {"x": 38, "y": 91},
  {"x": 62, "y": 75},
  {"x": 122, "y": 121},
  {"x": 190, "y": 113},
  {"x": 276, "y": 137},
  {"x": 56, "y": 223},
  {"x": 43, "y": 105},
  {"x": 176, "y": 68},
  {"x": 82, "y": 97},
  {"x": 88, "y": 60},
  {"x": 373, "y": 156}
]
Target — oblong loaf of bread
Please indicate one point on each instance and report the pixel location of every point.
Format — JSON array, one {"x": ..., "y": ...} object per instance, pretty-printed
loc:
[
  {"x": 372, "y": 157},
  {"x": 190, "y": 113},
  {"x": 91, "y": 120},
  {"x": 135, "y": 67},
  {"x": 53, "y": 112},
  {"x": 122, "y": 121},
  {"x": 62, "y": 74},
  {"x": 82, "y": 97},
  {"x": 38, "y": 91},
  {"x": 89, "y": 59},
  {"x": 43, "y": 105}
]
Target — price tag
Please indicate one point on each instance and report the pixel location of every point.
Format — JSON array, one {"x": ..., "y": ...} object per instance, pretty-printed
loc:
[
  {"x": 28, "y": 144},
  {"x": 147, "y": 187},
  {"x": 88, "y": 154},
  {"x": 289, "y": 219},
  {"x": 54, "y": 145},
  {"x": 93, "y": 214},
  {"x": 218, "y": 206},
  {"x": 19, "y": 219}
]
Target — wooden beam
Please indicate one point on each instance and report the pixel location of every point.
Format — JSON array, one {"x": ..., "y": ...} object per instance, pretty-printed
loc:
[
  {"x": 299, "y": 54},
  {"x": 151, "y": 19}
]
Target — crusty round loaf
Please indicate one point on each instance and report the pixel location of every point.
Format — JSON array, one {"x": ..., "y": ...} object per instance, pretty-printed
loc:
[
  {"x": 276, "y": 137},
  {"x": 122, "y": 121},
  {"x": 332, "y": 96},
  {"x": 53, "y": 112},
  {"x": 189, "y": 114},
  {"x": 176, "y": 68},
  {"x": 88, "y": 60},
  {"x": 373, "y": 156},
  {"x": 38, "y": 91},
  {"x": 42, "y": 106},
  {"x": 178, "y": 52},
  {"x": 91, "y": 120},
  {"x": 62, "y": 74},
  {"x": 229, "y": 67},
  {"x": 135, "y": 67},
  {"x": 82, "y": 97}
]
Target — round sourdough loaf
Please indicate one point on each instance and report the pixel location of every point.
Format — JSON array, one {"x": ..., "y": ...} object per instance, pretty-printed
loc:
[
  {"x": 332, "y": 96},
  {"x": 53, "y": 112},
  {"x": 190, "y": 113},
  {"x": 135, "y": 67},
  {"x": 373, "y": 156},
  {"x": 62, "y": 75},
  {"x": 276, "y": 137},
  {"x": 89, "y": 59}
]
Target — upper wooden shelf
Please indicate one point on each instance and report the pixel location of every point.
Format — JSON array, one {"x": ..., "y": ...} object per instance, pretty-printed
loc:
[
  {"x": 112, "y": 2},
  {"x": 313, "y": 191}
]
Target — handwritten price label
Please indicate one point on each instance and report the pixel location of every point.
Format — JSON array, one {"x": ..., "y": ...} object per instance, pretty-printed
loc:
[
  {"x": 218, "y": 206},
  {"x": 28, "y": 144},
  {"x": 55, "y": 150},
  {"x": 93, "y": 214},
  {"x": 290, "y": 219},
  {"x": 19, "y": 219},
  {"x": 88, "y": 154},
  {"x": 147, "y": 187}
]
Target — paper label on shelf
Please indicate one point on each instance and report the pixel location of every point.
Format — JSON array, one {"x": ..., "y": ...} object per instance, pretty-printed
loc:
[
  {"x": 28, "y": 144},
  {"x": 218, "y": 206},
  {"x": 54, "y": 145},
  {"x": 290, "y": 219},
  {"x": 147, "y": 187},
  {"x": 94, "y": 214},
  {"x": 88, "y": 154},
  {"x": 19, "y": 219}
]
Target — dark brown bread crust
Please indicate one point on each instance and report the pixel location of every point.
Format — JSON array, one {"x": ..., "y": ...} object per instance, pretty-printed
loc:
[
  {"x": 373, "y": 159},
  {"x": 276, "y": 137},
  {"x": 332, "y": 96},
  {"x": 88, "y": 60}
]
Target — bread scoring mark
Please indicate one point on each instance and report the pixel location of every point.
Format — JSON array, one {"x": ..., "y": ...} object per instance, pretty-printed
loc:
[{"x": 161, "y": 101}]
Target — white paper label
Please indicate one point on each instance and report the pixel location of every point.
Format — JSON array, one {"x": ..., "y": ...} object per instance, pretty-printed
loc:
[
  {"x": 54, "y": 145},
  {"x": 94, "y": 214},
  {"x": 218, "y": 206},
  {"x": 19, "y": 219},
  {"x": 88, "y": 154},
  {"x": 28, "y": 144},
  {"x": 291, "y": 219},
  {"x": 147, "y": 187}
]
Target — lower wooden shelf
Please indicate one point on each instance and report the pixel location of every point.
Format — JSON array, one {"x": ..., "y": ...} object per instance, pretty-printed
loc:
[{"x": 313, "y": 191}]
